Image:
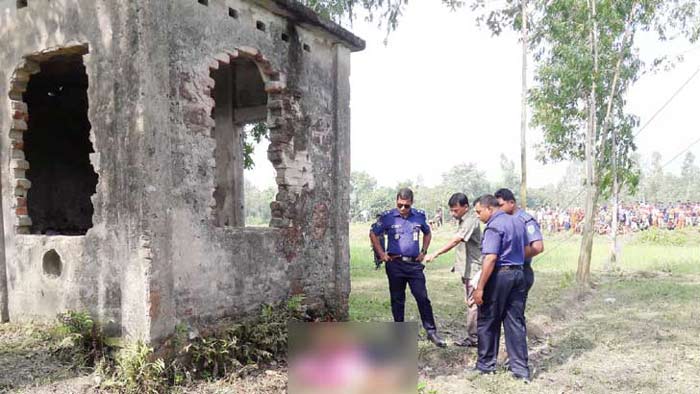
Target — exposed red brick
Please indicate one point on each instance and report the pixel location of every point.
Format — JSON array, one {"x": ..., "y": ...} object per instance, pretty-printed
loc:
[
  {"x": 154, "y": 297},
  {"x": 20, "y": 115}
]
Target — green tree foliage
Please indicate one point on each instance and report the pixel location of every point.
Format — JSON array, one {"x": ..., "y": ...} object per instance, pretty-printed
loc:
[
  {"x": 253, "y": 135},
  {"x": 385, "y": 13},
  {"x": 658, "y": 185},
  {"x": 585, "y": 61},
  {"x": 367, "y": 199},
  {"x": 690, "y": 178},
  {"x": 256, "y": 206},
  {"x": 655, "y": 180},
  {"x": 565, "y": 77},
  {"x": 468, "y": 179}
]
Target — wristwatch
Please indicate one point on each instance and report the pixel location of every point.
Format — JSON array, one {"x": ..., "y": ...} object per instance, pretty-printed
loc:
[{"x": 424, "y": 251}]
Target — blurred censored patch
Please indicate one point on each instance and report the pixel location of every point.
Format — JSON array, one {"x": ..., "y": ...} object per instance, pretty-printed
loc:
[{"x": 353, "y": 358}]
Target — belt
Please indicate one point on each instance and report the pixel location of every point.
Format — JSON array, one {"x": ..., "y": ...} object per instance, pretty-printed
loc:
[
  {"x": 405, "y": 259},
  {"x": 509, "y": 268}
]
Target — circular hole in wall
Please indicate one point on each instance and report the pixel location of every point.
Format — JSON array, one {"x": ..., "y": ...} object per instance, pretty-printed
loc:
[{"x": 52, "y": 264}]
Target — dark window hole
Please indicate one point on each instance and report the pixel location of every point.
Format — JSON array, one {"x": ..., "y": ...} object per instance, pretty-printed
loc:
[
  {"x": 21, "y": 3},
  {"x": 233, "y": 13},
  {"x": 203, "y": 2},
  {"x": 285, "y": 37},
  {"x": 57, "y": 145},
  {"x": 260, "y": 25},
  {"x": 52, "y": 264},
  {"x": 307, "y": 48}
]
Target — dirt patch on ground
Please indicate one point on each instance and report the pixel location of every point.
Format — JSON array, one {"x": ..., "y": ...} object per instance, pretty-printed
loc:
[{"x": 27, "y": 360}]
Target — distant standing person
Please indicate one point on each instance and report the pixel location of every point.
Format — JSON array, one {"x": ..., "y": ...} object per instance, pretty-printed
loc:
[
  {"x": 404, "y": 259},
  {"x": 467, "y": 240},
  {"x": 501, "y": 290},
  {"x": 533, "y": 234}
]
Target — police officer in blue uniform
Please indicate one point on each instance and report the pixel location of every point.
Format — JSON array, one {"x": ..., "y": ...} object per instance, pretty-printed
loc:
[
  {"x": 534, "y": 240},
  {"x": 501, "y": 290},
  {"x": 403, "y": 257}
]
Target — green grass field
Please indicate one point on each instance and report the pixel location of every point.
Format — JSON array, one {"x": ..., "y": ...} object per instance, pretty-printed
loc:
[{"x": 637, "y": 331}]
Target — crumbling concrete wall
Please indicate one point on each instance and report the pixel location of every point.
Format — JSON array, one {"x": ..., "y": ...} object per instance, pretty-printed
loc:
[
  {"x": 155, "y": 256},
  {"x": 219, "y": 271},
  {"x": 103, "y": 271}
]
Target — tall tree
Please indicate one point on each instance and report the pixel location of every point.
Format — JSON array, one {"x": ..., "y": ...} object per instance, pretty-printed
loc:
[
  {"x": 655, "y": 180},
  {"x": 593, "y": 39},
  {"x": 690, "y": 177},
  {"x": 585, "y": 62},
  {"x": 574, "y": 101},
  {"x": 468, "y": 179},
  {"x": 362, "y": 186}
]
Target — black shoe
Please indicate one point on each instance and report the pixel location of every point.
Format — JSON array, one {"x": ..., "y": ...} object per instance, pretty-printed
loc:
[
  {"x": 524, "y": 379},
  {"x": 435, "y": 338},
  {"x": 467, "y": 342}
]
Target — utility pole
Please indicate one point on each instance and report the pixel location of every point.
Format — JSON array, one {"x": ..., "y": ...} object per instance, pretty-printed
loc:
[{"x": 523, "y": 113}]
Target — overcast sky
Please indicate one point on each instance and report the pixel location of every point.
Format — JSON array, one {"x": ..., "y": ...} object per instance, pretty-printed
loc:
[{"x": 421, "y": 103}]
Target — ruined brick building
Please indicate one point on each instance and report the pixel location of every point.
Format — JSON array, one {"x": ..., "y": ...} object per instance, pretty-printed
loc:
[{"x": 122, "y": 161}]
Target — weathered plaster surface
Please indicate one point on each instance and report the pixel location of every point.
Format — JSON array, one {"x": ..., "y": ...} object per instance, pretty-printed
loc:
[{"x": 154, "y": 256}]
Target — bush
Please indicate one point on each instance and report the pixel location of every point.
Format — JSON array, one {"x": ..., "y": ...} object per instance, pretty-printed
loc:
[
  {"x": 82, "y": 340},
  {"x": 259, "y": 340},
  {"x": 138, "y": 369}
]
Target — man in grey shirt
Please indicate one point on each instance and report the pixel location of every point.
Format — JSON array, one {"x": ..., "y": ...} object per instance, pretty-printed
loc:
[{"x": 467, "y": 240}]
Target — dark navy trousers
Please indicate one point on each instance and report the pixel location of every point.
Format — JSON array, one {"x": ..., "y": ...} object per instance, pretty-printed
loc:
[
  {"x": 401, "y": 273},
  {"x": 504, "y": 304},
  {"x": 529, "y": 279}
]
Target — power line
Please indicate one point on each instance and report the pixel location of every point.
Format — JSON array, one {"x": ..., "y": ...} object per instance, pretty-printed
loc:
[
  {"x": 673, "y": 96},
  {"x": 687, "y": 148}
]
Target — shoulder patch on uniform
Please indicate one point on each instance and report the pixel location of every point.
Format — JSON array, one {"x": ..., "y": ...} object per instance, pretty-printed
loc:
[{"x": 531, "y": 229}]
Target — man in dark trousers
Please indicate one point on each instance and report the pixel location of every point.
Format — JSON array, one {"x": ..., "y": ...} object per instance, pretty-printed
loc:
[
  {"x": 533, "y": 235},
  {"x": 501, "y": 290},
  {"x": 404, "y": 259}
]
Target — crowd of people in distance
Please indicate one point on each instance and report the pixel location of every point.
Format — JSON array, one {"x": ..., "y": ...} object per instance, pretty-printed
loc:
[{"x": 631, "y": 217}]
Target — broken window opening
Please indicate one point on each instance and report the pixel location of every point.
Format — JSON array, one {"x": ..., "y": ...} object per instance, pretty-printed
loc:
[
  {"x": 239, "y": 113},
  {"x": 57, "y": 146},
  {"x": 259, "y": 175}
]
